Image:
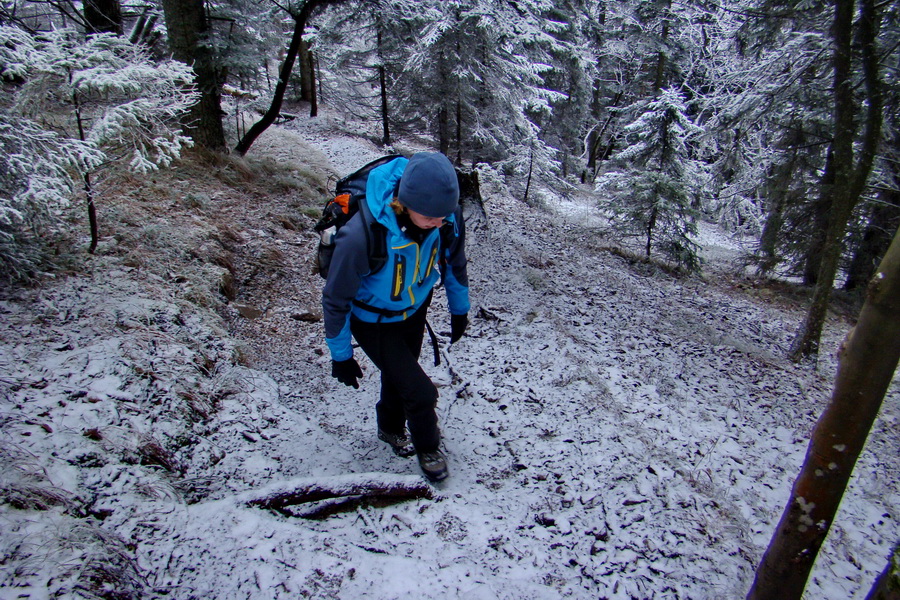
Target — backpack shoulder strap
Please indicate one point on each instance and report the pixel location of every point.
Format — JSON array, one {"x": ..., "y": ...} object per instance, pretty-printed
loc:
[
  {"x": 376, "y": 237},
  {"x": 449, "y": 231}
]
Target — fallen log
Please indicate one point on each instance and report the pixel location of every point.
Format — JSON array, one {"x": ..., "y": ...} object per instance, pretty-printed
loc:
[{"x": 357, "y": 487}]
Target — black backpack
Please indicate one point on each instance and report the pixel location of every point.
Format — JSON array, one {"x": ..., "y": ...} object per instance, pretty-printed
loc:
[{"x": 349, "y": 198}]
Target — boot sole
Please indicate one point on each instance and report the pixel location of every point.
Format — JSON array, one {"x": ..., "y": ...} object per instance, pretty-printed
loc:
[{"x": 436, "y": 478}]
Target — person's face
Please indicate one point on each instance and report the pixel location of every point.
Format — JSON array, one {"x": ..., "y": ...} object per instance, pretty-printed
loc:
[{"x": 423, "y": 222}]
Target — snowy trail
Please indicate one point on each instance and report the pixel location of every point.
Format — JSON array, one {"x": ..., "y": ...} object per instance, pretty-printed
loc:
[{"x": 611, "y": 432}]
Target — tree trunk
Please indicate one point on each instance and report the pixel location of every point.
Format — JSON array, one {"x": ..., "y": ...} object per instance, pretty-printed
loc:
[
  {"x": 459, "y": 141},
  {"x": 382, "y": 82},
  {"x": 651, "y": 224},
  {"x": 305, "y": 491},
  {"x": 591, "y": 144},
  {"x": 143, "y": 30},
  {"x": 821, "y": 210},
  {"x": 385, "y": 123},
  {"x": 86, "y": 179},
  {"x": 103, "y": 16},
  {"x": 443, "y": 113},
  {"x": 850, "y": 178},
  {"x": 92, "y": 213},
  {"x": 779, "y": 196},
  {"x": 767, "y": 254},
  {"x": 530, "y": 168},
  {"x": 443, "y": 130},
  {"x": 887, "y": 586},
  {"x": 868, "y": 359},
  {"x": 188, "y": 28},
  {"x": 661, "y": 57},
  {"x": 307, "y": 75},
  {"x": 314, "y": 88},
  {"x": 284, "y": 75},
  {"x": 884, "y": 220}
]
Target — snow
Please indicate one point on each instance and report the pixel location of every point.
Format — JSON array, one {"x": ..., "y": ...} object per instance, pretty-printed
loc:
[{"x": 612, "y": 431}]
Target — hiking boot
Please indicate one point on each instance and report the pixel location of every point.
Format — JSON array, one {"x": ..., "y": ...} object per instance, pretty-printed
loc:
[
  {"x": 400, "y": 444},
  {"x": 434, "y": 465}
]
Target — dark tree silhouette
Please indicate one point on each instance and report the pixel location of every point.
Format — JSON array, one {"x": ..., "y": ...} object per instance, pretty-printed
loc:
[
  {"x": 300, "y": 20},
  {"x": 850, "y": 174},
  {"x": 188, "y": 26}
]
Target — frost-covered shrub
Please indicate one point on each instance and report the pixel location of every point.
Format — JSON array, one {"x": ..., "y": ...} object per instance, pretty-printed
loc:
[
  {"x": 36, "y": 181},
  {"x": 105, "y": 88},
  {"x": 77, "y": 104}
]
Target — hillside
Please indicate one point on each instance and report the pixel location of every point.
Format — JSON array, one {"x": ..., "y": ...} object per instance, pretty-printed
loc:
[{"x": 613, "y": 431}]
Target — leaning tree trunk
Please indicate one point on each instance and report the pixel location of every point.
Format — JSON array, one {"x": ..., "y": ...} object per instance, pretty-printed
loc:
[
  {"x": 188, "y": 28},
  {"x": 850, "y": 178},
  {"x": 284, "y": 76},
  {"x": 868, "y": 359}
]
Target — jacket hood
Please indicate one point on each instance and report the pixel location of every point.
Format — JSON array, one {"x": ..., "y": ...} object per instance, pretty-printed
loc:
[{"x": 380, "y": 188}]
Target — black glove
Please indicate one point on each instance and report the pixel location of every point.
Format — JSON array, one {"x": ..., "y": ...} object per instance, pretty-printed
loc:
[
  {"x": 346, "y": 371},
  {"x": 458, "y": 324}
]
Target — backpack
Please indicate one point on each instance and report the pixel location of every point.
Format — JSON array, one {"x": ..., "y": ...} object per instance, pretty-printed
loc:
[{"x": 349, "y": 198}]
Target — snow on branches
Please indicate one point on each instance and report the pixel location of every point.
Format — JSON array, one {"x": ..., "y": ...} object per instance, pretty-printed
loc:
[
  {"x": 78, "y": 103},
  {"x": 127, "y": 104}
]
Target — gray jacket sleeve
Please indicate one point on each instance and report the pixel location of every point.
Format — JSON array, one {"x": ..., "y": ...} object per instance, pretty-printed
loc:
[{"x": 349, "y": 264}]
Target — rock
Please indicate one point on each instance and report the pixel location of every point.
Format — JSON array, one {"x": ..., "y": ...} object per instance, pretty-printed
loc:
[
  {"x": 249, "y": 312},
  {"x": 307, "y": 317}
]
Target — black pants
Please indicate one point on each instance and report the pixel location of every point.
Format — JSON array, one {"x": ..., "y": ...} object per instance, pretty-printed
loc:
[{"x": 408, "y": 397}]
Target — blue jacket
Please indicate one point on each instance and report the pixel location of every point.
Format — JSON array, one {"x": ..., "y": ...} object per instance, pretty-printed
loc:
[{"x": 401, "y": 286}]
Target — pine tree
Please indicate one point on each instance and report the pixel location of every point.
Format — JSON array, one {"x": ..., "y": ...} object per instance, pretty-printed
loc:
[
  {"x": 651, "y": 188},
  {"x": 767, "y": 120},
  {"x": 361, "y": 50},
  {"x": 475, "y": 79},
  {"x": 121, "y": 105}
]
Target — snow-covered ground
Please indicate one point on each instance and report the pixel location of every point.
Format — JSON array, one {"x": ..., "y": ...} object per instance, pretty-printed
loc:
[{"x": 613, "y": 432}]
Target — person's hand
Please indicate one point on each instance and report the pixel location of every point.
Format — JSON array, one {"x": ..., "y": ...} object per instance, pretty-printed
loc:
[
  {"x": 458, "y": 324},
  {"x": 346, "y": 371}
]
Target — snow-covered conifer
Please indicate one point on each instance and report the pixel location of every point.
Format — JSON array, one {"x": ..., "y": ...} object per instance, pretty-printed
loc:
[
  {"x": 650, "y": 189},
  {"x": 36, "y": 181},
  {"x": 81, "y": 103},
  {"x": 468, "y": 72},
  {"x": 767, "y": 116}
]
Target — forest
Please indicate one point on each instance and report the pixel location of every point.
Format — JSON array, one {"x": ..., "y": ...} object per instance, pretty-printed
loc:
[{"x": 685, "y": 229}]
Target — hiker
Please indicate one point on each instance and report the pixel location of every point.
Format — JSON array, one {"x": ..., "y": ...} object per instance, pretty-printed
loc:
[{"x": 385, "y": 310}]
